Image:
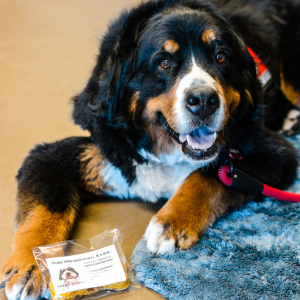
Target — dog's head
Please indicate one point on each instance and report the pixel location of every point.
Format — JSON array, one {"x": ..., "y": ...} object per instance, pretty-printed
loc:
[
  {"x": 171, "y": 74},
  {"x": 68, "y": 274}
]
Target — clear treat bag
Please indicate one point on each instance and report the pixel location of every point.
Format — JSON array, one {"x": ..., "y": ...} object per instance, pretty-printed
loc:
[{"x": 87, "y": 268}]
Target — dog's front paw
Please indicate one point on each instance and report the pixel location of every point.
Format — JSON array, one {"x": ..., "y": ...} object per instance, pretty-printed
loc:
[
  {"x": 22, "y": 278},
  {"x": 164, "y": 234}
]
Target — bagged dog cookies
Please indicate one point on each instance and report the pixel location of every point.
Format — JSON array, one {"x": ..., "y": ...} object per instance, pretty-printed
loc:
[{"x": 89, "y": 268}]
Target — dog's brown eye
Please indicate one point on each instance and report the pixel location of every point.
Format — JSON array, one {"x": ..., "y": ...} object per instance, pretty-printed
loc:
[
  {"x": 220, "y": 57},
  {"x": 165, "y": 64}
]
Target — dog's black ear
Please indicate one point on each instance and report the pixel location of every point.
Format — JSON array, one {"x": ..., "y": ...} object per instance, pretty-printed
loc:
[
  {"x": 115, "y": 66},
  {"x": 72, "y": 270},
  {"x": 60, "y": 273}
]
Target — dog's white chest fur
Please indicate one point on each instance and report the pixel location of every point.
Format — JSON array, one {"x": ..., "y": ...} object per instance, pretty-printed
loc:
[{"x": 159, "y": 178}]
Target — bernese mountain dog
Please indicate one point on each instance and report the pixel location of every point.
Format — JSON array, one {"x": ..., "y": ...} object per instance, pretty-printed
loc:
[{"x": 173, "y": 89}]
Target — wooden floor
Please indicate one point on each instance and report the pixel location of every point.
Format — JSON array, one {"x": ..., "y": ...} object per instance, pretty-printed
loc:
[{"x": 47, "y": 51}]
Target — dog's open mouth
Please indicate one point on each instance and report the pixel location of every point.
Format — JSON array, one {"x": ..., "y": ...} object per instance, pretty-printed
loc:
[{"x": 200, "y": 144}]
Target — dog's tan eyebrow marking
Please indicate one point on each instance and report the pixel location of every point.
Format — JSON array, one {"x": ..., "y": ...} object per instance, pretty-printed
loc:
[
  {"x": 171, "y": 46},
  {"x": 208, "y": 36}
]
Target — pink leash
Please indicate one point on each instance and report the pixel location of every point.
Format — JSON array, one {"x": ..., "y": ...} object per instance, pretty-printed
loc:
[{"x": 244, "y": 182}]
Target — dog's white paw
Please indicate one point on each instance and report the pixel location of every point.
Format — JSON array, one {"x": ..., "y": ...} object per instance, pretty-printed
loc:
[
  {"x": 157, "y": 239},
  {"x": 291, "y": 124},
  {"x": 168, "y": 231},
  {"x": 22, "y": 279}
]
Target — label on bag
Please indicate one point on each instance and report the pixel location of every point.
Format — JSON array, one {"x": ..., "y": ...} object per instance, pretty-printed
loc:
[{"x": 88, "y": 270}]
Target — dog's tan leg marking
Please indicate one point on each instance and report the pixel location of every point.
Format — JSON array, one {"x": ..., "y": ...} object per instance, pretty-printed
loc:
[
  {"x": 187, "y": 215},
  {"x": 21, "y": 275}
]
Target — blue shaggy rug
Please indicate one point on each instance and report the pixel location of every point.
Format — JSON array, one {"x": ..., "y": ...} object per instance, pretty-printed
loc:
[{"x": 253, "y": 253}]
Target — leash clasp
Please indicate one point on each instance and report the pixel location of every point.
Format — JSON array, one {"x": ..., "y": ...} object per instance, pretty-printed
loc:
[{"x": 236, "y": 178}]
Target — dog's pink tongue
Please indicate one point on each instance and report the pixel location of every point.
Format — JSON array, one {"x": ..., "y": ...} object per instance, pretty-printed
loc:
[{"x": 200, "y": 140}]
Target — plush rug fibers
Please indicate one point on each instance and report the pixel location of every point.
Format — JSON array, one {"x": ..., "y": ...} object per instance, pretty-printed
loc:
[{"x": 253, "y": 253}]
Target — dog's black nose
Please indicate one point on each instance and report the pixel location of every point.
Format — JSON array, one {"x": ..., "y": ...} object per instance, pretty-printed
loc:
[
  {"x": 68, "y": 274},
  {"x": 202, "y": 101}
]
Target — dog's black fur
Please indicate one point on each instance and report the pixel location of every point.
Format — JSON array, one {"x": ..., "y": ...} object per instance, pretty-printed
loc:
[{"x": 53, "y": 174}]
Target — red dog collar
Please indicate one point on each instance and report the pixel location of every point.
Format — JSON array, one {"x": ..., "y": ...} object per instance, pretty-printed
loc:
[
  {"x": 263, "y": 74},
  {"x": 244, "y": 182}
]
